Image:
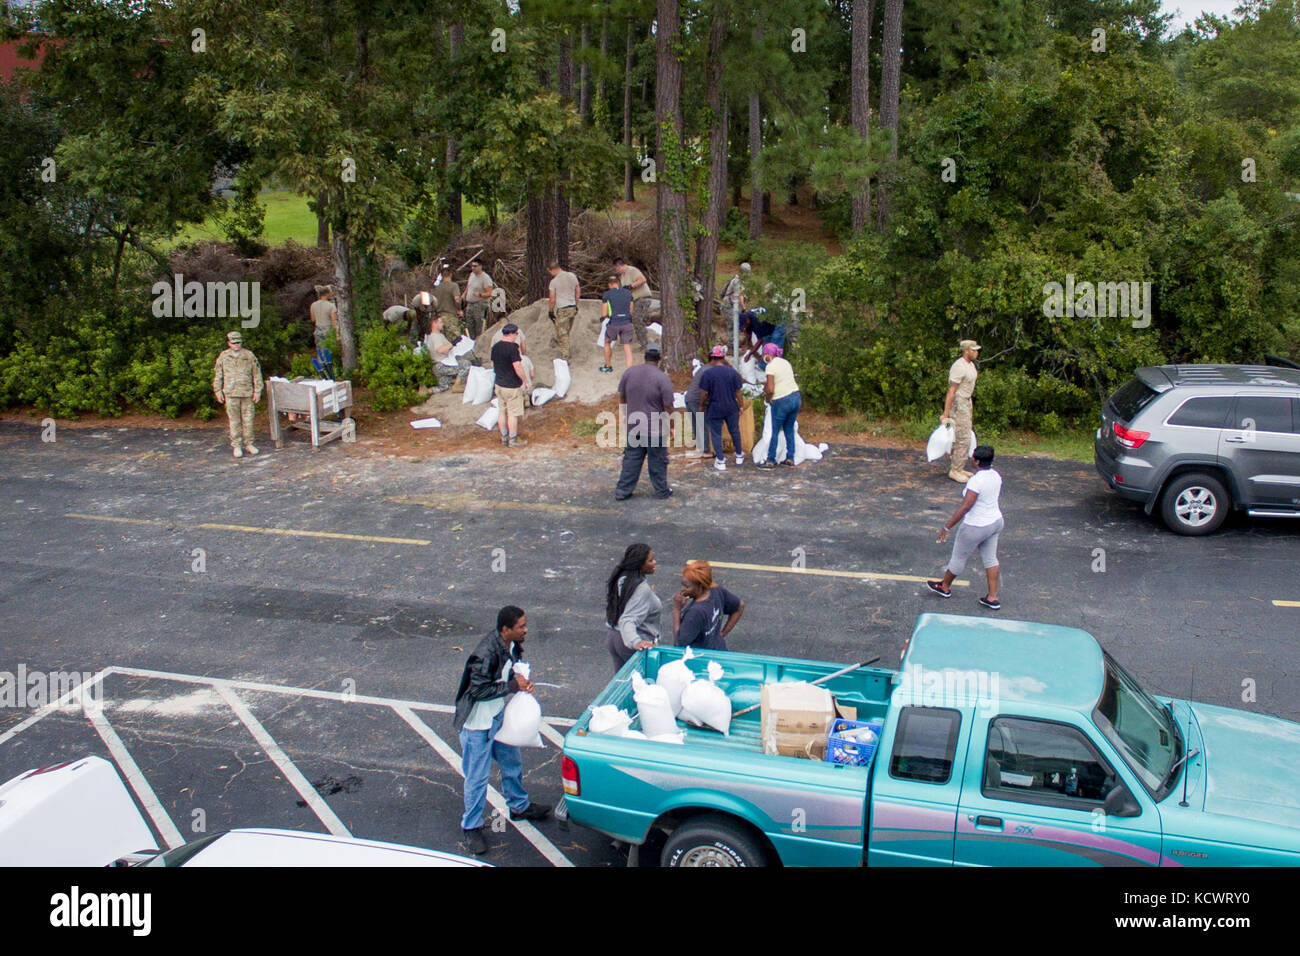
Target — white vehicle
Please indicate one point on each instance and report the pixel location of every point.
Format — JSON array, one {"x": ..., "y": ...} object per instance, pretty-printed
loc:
[{"x": 79, "y": 813}]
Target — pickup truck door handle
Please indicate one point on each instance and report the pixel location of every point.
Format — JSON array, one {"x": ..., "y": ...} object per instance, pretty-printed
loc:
[
  {"x": 1235, "y": 439},
  {"x": 995, "y": 822}
]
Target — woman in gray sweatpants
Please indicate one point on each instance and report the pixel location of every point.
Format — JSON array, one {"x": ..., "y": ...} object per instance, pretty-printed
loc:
[
  {"x": 631, "y": 606},
  {"x": 981, "y": 523}
]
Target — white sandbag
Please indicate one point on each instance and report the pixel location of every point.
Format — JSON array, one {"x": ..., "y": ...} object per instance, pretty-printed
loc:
[
  {"x": 600, "y": 339},
  {"x": 676, "y": 737},
  {"x": 673, "y": 677},
  {"x": 823, "y": 447},
  {"x": 521, "y": 722},
  {"x": 696, "y": 364},
  {"x": 490, "y": 417},
  {"x": 608, "y": 719},
  {"x": 479, "y": 384},
  {"x": 748, "y": 369},
  {"x": 974, "y": 443},
  {"x": 939, "y": 443},
  {"x": 563, "y": 378},
  {"x": 542, "y": 395},
  {"x": 802, "y": 450},
  {"x": 426, "y": 423},
  {"x": 679, "y": 399},
  {"x": 636, "y": 735},
  {"x": 464, "y": 345},
  {"x": 656, "y": 328},
  {"x": 705, "y": 704},
  {"x": 652, "y": 707}
]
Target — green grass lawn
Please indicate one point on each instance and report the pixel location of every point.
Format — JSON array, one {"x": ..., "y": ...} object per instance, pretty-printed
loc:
[{"x": 287, "y": 217}]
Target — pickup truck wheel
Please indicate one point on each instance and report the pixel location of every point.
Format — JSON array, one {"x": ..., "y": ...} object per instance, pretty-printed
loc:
[
  {"x": 712, "y": 841},
  {"x": 1194, "y": 504}
]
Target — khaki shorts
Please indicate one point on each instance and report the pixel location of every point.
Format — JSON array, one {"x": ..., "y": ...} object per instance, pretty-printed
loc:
[{"x": 511, "y": 400}]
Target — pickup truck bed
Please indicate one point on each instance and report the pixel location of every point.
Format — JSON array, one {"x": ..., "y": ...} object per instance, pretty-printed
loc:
[{"x": 803, "y": 809}]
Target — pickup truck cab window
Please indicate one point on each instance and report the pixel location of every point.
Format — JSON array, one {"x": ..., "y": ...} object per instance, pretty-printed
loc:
[
  {"x": 1140, "y": 729},
  {"x": 925, "y": 744},
  {"x": 1038, "y": 761}
]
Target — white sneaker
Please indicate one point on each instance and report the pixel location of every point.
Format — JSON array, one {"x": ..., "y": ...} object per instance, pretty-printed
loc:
[
  {"x": 719, "y": 465},
  {"x": 740, "y": 459},
  {"x": 237, "y": 452},
  {"x": 251, "y": 449}
]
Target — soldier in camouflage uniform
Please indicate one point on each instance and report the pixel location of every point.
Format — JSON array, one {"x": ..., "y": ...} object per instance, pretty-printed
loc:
[{"x": 237, "y": 383}]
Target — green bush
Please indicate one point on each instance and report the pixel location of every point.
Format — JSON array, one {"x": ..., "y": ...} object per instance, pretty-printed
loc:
[
  {"x": 392, "y": 371},
  {"x": 736, "y": 229}
]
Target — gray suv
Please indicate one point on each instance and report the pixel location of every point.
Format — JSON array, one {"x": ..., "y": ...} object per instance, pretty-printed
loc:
[{"x": 1199, "y": 440}]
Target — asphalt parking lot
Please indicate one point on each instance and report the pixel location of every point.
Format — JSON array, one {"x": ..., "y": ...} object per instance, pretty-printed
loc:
[{"x": 278, "y": 640}]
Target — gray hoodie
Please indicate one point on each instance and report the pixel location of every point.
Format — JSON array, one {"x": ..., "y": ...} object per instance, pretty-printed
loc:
[{"x": 640, "y": 618}]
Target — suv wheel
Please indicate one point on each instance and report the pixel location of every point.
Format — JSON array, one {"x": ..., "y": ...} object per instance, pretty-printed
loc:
[{"x": 1194, "y": 504}]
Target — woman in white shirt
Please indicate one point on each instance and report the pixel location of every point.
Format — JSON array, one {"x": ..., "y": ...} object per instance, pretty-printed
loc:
[{"x": 980, "y": 529}]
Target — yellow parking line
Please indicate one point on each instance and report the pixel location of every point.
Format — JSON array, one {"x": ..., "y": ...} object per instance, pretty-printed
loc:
[
  {"x": 1286, "y": 603},
  {"x": 860, "y": 575},
  {"x": 213, "y": 526}
]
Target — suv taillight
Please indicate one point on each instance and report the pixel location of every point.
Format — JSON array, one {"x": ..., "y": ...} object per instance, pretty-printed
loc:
[
  {"x": 1128, "y": 437},
  {"x": 569, "y": 774}
]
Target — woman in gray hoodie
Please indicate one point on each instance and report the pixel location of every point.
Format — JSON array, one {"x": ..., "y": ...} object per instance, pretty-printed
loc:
[{"x": 631, "y": 605}]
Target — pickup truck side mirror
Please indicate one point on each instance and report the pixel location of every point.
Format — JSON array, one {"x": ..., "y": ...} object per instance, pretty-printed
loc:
[{"x": 1120, "y": 803}]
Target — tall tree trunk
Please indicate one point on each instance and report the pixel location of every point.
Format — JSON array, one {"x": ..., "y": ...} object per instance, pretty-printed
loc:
[
  {"x": 628, "y": 194},
  {"x": 584, "y": 74},
  {"x": 860, "y": 99},
  {"x": 342, "y": 251},
  {"x": 670, "y": 206},
  {"x": 538, "y": 228},
  {"x": 454, "y": 214},
  {"x": 755, "y": 150},
  {"x": 891, "y": 68},
  {"x": 706, "y": 250},
  {"x": 604, "y": 49},
  {"x": 563, "y": 86}
]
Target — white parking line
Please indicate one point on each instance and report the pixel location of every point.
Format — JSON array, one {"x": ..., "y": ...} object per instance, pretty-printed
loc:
[
  {"x": 43, "y": 712},
  {"x": 529, "y": 832},
  {"x": 287, "y": 766},
  {"x": 143, "y": 792},
  {"x": 553, "y": 735}
]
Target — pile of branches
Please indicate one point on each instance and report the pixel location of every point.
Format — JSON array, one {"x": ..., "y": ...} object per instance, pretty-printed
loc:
[{"x": 595, "y": 240}]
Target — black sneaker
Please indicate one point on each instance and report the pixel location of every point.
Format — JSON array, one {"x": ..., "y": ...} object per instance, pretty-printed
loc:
[
  {"x": 668, "y": 495},
  {"x": 938, "y": 589},
  {"x": 534, "y": 812},
  {"x": 765, "y": 465},
  {"x": 474, "y": 841},
  {"x": 991, "y": 605}
]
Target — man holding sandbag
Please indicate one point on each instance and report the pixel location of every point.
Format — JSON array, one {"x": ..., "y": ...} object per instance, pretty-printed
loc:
[{"x": 480, "y": 702}]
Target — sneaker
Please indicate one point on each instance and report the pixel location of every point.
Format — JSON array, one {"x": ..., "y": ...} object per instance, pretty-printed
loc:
[
  {"x": 505, "y": 439},
  {"x": 788, "y": 463},
  {"x": 251, "y": 449},
  {"x": 766, "y": 465},
  {"x": 669, "y": 495},
  {"x": 517, "y": 442},
  {"x": 237, "y": 452},
  {"x": 962, "y": 476},
  {"x": 991, "y": 605},
  {"x": 740, "y": 459},
  {"x": 939, "y": 589},
  {"x": 607, "y": 368},
  {"x": 534, "y": 812},
  {"x": 474, "y": 841},
  {"x": 719, "y": 465}
]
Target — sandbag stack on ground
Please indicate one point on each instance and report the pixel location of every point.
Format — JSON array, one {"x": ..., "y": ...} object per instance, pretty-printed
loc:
[{"x": 802, "y": 450}]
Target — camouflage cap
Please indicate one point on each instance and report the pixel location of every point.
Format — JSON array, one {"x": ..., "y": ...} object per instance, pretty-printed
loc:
[
  {"x": 969, "y": 344},
  {"x": 235, "y": 337}
]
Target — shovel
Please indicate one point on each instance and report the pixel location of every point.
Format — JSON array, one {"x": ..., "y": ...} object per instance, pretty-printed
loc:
[{"x": 820, "y": 680}]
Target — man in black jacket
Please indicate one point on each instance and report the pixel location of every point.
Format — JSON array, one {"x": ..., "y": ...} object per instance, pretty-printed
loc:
[{"x": 480, "y": 702}]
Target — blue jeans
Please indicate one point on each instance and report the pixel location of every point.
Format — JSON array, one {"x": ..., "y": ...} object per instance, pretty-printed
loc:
[
  {"x": 478, "y": 750},
  {"x": 715, "y": 433},
  {"x": 784, "y": 412}
]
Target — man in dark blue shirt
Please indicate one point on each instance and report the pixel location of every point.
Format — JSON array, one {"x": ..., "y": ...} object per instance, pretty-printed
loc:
[
  {"x": 617, "y": 307},
  {"x": 720, "y": 397}
]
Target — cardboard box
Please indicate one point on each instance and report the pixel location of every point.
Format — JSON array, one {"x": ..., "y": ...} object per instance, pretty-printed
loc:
[{"x": 796, "y": 719}]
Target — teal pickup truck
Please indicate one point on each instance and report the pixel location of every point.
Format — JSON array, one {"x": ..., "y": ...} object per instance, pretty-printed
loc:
[{"x": 1004, "y": 743}]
